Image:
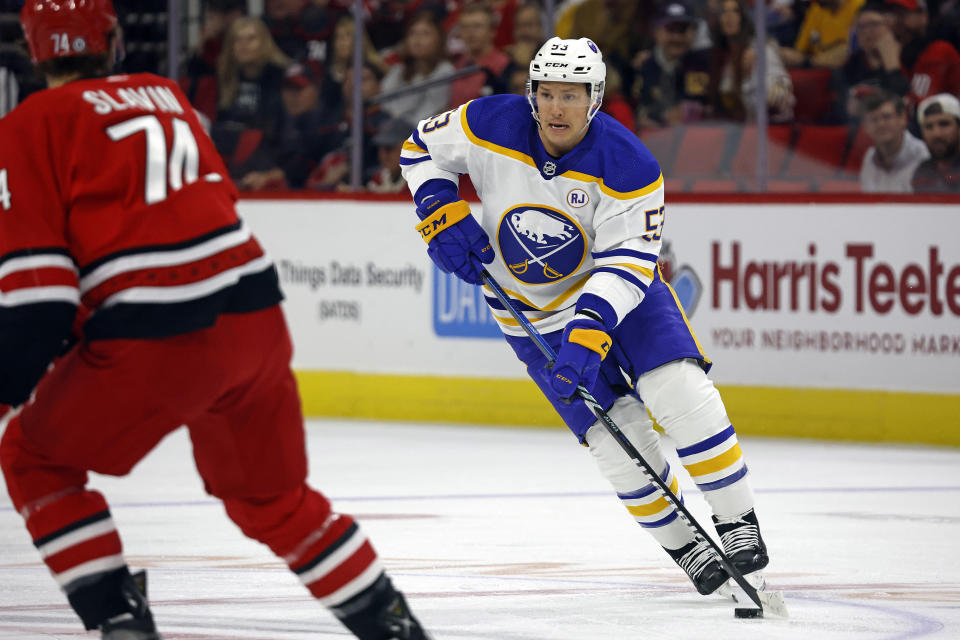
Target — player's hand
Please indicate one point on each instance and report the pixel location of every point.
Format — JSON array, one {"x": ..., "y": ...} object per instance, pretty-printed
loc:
[
  {"x": 455, "y": 241},
  {"x": 583, "y": 347}
]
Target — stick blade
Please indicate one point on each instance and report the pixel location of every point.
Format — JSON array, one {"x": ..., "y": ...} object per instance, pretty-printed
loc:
[{"x": 773, "y": 602}]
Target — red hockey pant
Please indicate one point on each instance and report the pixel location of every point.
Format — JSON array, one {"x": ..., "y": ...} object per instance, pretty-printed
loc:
[{"x": 106, "y": 404}]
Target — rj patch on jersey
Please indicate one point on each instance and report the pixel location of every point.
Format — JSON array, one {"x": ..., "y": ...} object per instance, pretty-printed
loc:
[{"x": 540, "y": 244}]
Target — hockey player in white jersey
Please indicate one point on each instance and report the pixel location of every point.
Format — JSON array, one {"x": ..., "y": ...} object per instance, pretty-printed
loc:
[{"x": 571, "y": 226}]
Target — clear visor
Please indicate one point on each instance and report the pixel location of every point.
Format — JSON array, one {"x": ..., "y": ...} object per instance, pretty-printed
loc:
[{"x": 566, "y": 95}]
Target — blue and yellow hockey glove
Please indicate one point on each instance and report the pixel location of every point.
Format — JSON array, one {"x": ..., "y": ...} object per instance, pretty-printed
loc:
[
  {"x": 583, "y": 347},
  {"x": 455, "y": 240}
]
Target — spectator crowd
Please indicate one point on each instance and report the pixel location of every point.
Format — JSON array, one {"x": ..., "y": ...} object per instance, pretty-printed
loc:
[{"x": 860, "y": 95}]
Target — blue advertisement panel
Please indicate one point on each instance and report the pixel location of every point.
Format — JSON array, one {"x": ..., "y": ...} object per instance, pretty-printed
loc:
[{"x": 459, "y": 310}]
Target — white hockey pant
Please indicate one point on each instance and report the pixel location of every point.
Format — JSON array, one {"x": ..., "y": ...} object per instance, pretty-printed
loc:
[{"x": 688, "y": 407}]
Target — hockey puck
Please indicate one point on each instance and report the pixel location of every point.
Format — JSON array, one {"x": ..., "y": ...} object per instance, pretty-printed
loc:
[{"x": 743, "y": 612}]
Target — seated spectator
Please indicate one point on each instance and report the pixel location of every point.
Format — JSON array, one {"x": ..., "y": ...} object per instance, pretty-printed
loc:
[
  {"x": 939, "y": 118},
  {"x": 310, "y": 130},
  {"x": 423, "y": 58},
  {"x": 527, "y": 34},
  {"x": 201, "y": 69},
  {"x": 783, "y": 25},
  {"x": 614, "y": 103},
  {"x": 620, "y": 28},
  {"x": 475, "y": 29},
  {"x": 250, "y": 76},
  {"x": 389, "y": 141},
  {"x": 888, "y": 165},
  {"x": 673, "y": 79},
  {"x": 333, "y": 172},
  {"x": 301, "y": 28},
  {"x": 876, "y": 61},
  {"x": 932, "y": 66},
  {"x": 824, "y": 35},
  {"x": 734, "y": 79},
  {"x": 340, "y": 58}
]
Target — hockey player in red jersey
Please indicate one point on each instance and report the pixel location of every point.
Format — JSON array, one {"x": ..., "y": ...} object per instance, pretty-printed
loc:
[{"x": 113, "y": 200}]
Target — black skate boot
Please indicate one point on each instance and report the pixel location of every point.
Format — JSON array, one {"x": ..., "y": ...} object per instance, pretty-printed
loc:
[
  {"x": 701, "y": 564},
  {"x": 742, "y": 541},
  {"x": 115, "y": 603},
  {"x": 380, "y": 613},
  {"x": 137, "y": 622}
]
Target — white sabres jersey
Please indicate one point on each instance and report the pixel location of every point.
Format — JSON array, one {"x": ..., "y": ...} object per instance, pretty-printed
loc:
[{"x": 589, "y": 222}]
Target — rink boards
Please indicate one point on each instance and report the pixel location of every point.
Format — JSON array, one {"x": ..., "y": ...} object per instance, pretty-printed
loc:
[{"x": 837, "y": 321}]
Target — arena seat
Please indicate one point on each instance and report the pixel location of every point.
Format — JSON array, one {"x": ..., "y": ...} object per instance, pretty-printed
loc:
[
  {"x": 818, "y": 151},
  {"x": 811, "y": 88},
  {"x": 701, "y": 150},
  {"x": 858, "y": 148},
  {"x": 662, "y": 143},
  {"x": 744, "y": 163},
  {"x": 712, "y": 185}
]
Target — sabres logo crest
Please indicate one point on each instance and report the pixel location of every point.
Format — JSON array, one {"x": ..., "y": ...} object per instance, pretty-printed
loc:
[{"x": 540, "y": 245}]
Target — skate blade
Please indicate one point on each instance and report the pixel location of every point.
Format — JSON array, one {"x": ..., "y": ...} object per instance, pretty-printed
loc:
[
  {"x": 755, "y": 579},
  {"x": 772, "y": 601}
]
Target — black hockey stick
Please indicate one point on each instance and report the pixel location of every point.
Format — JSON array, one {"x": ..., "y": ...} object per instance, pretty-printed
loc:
[{"x": 773, "y": 601}]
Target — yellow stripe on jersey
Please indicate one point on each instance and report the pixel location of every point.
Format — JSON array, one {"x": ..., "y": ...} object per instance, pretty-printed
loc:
[
  {"x": 619, "y": 195},
  {"x": 410, "y": 145},
  {"x": 643, "y": 270},
  {"x": 559, "y": 300},
  {"x": 510, "y": 153},
  {"x": 683, "y": 313},
  {"x": 573, "y": 175},
  {"x": 716, "y": 463},
  {"x": 650, "y": 509}
]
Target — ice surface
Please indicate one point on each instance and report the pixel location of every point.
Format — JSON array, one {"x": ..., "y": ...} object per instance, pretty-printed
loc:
[{"x": 511, "y": 534}]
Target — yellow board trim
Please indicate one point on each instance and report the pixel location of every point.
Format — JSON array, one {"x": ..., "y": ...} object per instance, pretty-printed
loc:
[
  {"x": 825, "y": 414},
  {"x": 716, "y": 463}
]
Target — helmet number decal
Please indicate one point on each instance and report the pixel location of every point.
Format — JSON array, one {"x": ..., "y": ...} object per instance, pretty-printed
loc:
[
  {"x": 61, "y": 43},
  {"x": 558, "y": 47}
]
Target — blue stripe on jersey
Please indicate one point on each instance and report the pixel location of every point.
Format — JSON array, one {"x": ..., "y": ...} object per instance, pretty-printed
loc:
[
  {"x": 417, "y": 139},
  {"x": 647, "y": 490},
  {"x": 709, "y": 443},
  {"x": 623, "y": 274},
  {"x": 408, "y": 161},
  {"x": 496, "y": 304},
  {"x": 661, "y": 522},
  {"x": 724, "y": 482},
  {"x": 649, "y": 257}
]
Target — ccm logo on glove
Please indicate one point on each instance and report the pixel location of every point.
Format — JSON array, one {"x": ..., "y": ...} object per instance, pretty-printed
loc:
[{"x": 456, "y": 242}]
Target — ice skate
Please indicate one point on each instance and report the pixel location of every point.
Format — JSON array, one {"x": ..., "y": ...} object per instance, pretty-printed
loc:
[
  {"x": 137, "y": 623},
  {"x": 386, "y": 617},
  {"x": 701, "y": 564},
  {"x": 742, "y": 543}
]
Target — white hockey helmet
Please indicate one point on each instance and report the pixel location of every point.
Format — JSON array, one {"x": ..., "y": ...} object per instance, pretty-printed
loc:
[{"x": 560, "y": 60}]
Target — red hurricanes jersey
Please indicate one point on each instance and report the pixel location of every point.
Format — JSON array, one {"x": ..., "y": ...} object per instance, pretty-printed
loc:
[
  {"x": 937, "y": 70},
  {"x": 113, "y": 195}
]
